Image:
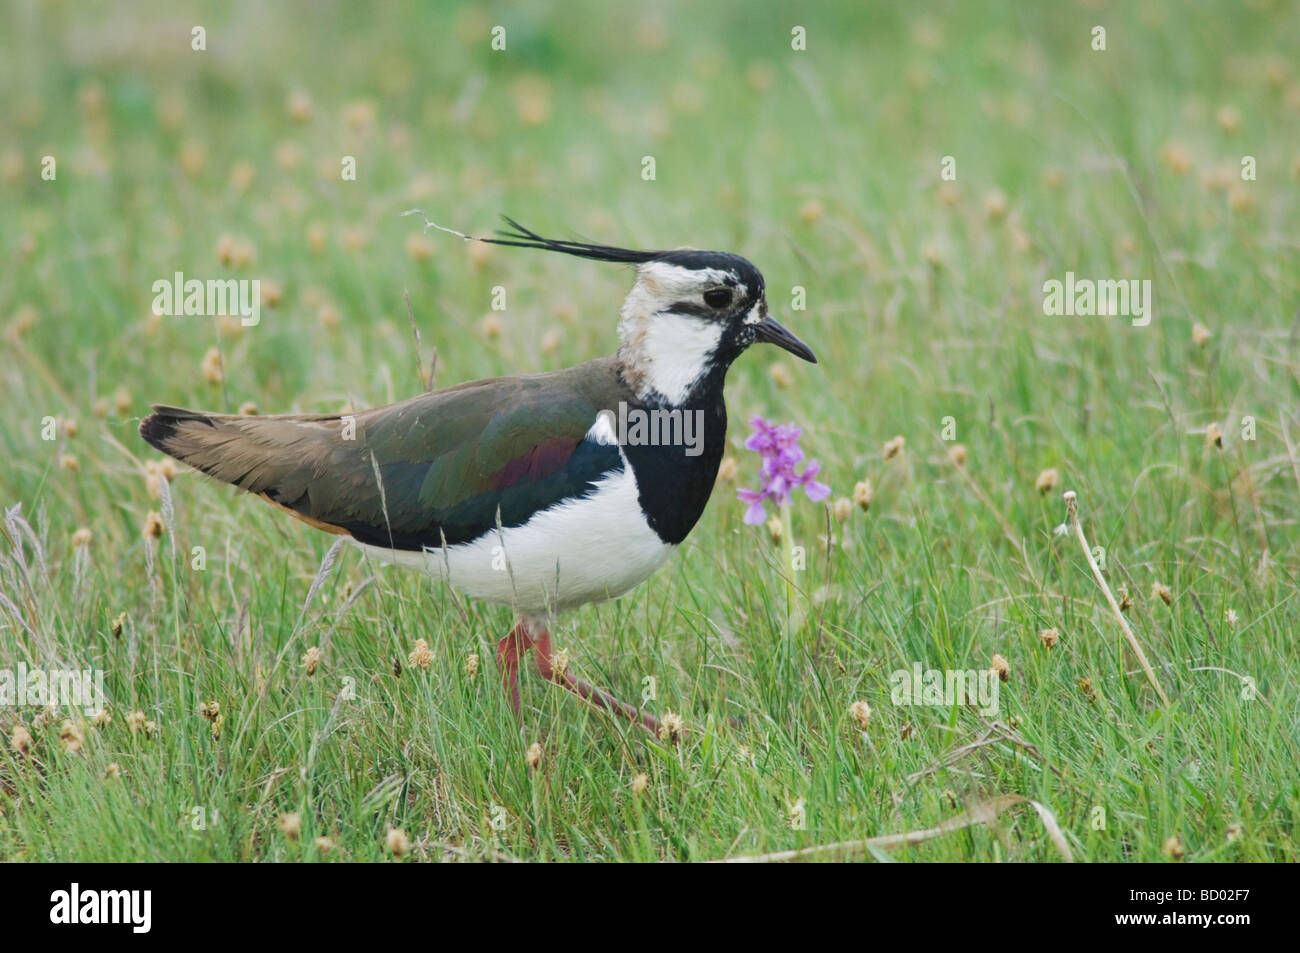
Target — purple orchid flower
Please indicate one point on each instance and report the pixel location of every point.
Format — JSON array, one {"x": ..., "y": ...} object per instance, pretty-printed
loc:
[{"x": 779, "y": 446}]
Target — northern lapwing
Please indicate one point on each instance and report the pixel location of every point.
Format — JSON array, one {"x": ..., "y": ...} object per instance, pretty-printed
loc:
[{"x": 542, "y": 492}]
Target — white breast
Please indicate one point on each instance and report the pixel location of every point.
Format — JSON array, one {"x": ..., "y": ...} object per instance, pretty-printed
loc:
[{"x": 584, "y": 551}]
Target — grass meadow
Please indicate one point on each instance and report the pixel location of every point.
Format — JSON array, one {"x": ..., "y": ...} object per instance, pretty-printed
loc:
[{"x": 254, "y": 709}]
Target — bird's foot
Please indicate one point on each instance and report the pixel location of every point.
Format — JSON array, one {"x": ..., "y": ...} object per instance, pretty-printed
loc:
[{"x": 560, "y": 676}]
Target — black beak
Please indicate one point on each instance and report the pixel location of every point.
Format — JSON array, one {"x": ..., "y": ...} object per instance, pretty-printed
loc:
[{"x": 774, "y": 332}]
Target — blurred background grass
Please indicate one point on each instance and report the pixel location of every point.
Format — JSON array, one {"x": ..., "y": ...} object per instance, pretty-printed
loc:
[{"x": 924, "y": 301}]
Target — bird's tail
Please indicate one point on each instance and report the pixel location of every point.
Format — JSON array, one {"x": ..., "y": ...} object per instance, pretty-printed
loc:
[{"x": 277, "y": 456}]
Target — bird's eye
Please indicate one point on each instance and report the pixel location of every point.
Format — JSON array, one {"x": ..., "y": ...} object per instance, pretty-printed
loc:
[{"x": 717, "y": 297}]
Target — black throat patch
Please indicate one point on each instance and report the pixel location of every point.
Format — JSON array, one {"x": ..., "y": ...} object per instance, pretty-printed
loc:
[{"x": 673, "y": 485}]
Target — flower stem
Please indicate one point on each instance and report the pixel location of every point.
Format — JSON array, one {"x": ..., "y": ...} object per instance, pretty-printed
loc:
[{"x": 787, "y": 535}]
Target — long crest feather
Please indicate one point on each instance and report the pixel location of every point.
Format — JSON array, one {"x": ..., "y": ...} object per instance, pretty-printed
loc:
[{"x": 520, "y": 237}]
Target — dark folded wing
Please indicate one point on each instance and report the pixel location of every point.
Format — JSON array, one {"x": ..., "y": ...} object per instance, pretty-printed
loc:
[{"x": 443, "y": 467}]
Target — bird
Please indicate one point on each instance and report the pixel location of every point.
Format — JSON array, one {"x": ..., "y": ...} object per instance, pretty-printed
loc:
[{"x": 542, "y": 492}]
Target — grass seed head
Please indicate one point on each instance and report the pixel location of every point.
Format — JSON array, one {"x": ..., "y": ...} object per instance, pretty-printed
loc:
[
  {"x": 397, "y": 842},
  {"x": 226, "y": 249},
  {"x": 639, "y": 783},
  {"x": 775, "y": 528},
  {"x": 1000, "y": 665},
  {"x": 471, "y": 665},
  {"x": 811, "y": 211},
  {"x": 299, "y": 106},
  {"x": 291, "y": 825},
  {"x": 192, "y": 157},
  {"x": 1173, "y": 848},
  {"x": 421, "y": 656},
  {"x": 479, "y": 254},
  {"x": 843, "y": 509},
  {"x": 242, "y": 175},
  {"x": 862, "y": 494},
  {"x": 153, "y": 525},
  {"x": 671, "y": 727},
  {"x": 893, "y": 446},
  {"x": 533, "y": 756},
  {"x": 1176, "y": 158},
  {"x": 1228, "y": 118},
  {"x": 20, "y": 739},
  {"x": 311, "y": 659},
  {"x": 995, "y": 205},
  {"x": 24, "y": 320},
  {"x": 1162, "y": 592},
  {"x": 288, "y": 156},
  {"x": 1049, "y": 637},
  {"x": 957, "y": 454},
  {"x": 329, "y": 316},
  {"x": 211, "y": 366},
  {"x": 418, "y": 247},
  {"x": 317, "y": 238},
  {"x": 272, "y": 293},
  {"x": 1213, "y": 436},
  {"x": 860, "y": 712},
  {"x": 1240, "y": 198},
  {"x": 1047, "y": 480},
  {"x": 73, "y": 736}
]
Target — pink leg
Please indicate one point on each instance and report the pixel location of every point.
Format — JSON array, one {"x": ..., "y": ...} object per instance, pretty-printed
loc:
[
  {"x": 546, "y": 668},
  {"x": 509, "y": 650}
]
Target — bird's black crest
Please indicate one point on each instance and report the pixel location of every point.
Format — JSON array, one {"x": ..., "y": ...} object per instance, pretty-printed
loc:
[{"x": 521, "y": 237}]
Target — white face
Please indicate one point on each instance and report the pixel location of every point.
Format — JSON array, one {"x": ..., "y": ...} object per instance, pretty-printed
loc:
[{"x": 670, "y": 330}]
